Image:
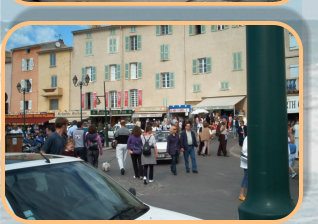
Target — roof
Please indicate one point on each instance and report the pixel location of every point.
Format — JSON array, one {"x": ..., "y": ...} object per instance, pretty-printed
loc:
[
  {"x": 219, "y": 103},
  {"x": 25, "y": 160},
  {"x": 41, "y": 45},
  {"x": 96, "y": 29},
  {"x": 50, "y": 50}
]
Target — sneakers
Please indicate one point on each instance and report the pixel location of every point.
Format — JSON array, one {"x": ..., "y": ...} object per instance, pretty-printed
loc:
[
  {"x": 151, "y": 181},
  {"x": 194, "y": 171},
  {"x": 122, "y": 171},
  {"x": 145, "y": 180},
  {"x": 293, "y": 175}
]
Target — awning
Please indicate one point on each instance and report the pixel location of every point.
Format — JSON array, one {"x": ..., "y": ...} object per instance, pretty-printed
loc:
[
  {"x": 70, "y": 119},
  {"x": 147, "y": 115},
  {"x": 219, "y": 103},
  {"x": 28, "y": 121}
]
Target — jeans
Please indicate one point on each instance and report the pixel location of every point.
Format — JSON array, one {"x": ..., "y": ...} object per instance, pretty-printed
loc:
[
  {"x": 234, "y": 132},
  {"x": 150, "y": 171},
  {"x": 244, "y": 181},
  {"x": 81, "y": 152},
  {"x": 136, "y": 161},
  {"x": 121, "y": 154},
  {"x": 174, "y": 162},
  {"x": 189, "y": 151},
  {"x": 92, "y": 157}
]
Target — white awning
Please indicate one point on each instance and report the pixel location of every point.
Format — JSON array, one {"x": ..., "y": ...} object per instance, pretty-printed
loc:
[
  {"x": 70, "y": 119},
  {"x": 150, "y": 115},
  {"x": 219, "y": 103}
]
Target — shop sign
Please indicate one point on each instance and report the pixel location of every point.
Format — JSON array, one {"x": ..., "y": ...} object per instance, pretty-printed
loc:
[
  {"x": 47, "y": 115},
  {"x": 72, "y": 114},
  {"x": 113, "y": 112},
  {"x": 180, "y": 109},
  {"x": 151, "y": 109},
  {"x": 292, "y": 104}
]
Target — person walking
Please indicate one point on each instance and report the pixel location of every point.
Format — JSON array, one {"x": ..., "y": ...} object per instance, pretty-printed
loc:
[
  {"x": 138, "y": 123},
  {"x": 55, "y": 142},
  {"x": 72, "y": 129},
  {"x": 121, "y": 138},
  {"x": 234, "y": 126},
  {"x": 296, "y": 136},
  {"x": 134, "y": 146},
  {"x": 149, "y": 159},
  {"x": 94, "y": 146},
  {"x": 173, "y": 148},
  {"x": 79, "y": 138},
  {"x": 242, "y": 131},
  {"x": 222, "y": 132},
  {"x": 292, "y": 149},
  {"x": 243, "y": 165},
  {"x": 205, "y": 136},
  {"x": 188, "y": 143}
]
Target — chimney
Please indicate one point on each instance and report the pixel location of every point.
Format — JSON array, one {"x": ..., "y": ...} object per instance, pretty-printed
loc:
[{"x": 95, "y": 26}]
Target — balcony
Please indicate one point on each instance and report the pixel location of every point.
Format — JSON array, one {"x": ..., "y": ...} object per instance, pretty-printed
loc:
[
  {"x": 292, "y": 85},
  {"x": 55, "y": 92}
]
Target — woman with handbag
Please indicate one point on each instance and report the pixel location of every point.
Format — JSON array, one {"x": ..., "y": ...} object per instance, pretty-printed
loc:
[
  {"x": 134, "y": 146},
  {"x": 244, "y": 167}
]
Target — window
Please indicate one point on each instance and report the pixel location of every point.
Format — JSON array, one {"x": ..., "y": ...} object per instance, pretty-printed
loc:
[
  {"x": 112, "y": 45},
  {"x": 133, "y": 70},
  {"x": 52, "y": 60},
  {"x": 53, "y": 81},
  {"x": 291, "y": 84},
  {"x": 223, "y": 27},
  {"x": 113, "y": 99},
  {"x": 293, "y": 45},
  {"x": 196, "y": 88},
  {"x": 163, "y": 30},
  {"x": 54, "y": 104},
  {"x": 224, "y": 85},
  {"x": 27, "y": 64},
  {"x": 203, "y": 64},
  {"x": 294, "y": 71},
  {"x": 132, "y": 29},
  {"x": 89, "y": 48},
  {"x": 88, "y": 35},
  {"x": 167, "y": 80},
  {"x": 134, "y": 98},
  {"x": 27, "y": 51},
  {"x": 112, "y": 31},
  {"x": 89, "y": 101},
  {"x": 25, "y": 83},
  {"x": 196, "y": 29},
  {"x": 237, "y": 61},
  {"x": 113, "y": 72},
  {"x": 164, "y": 52},
  {"x": 91, "y": 72},
  {"x": 28, "y": 105},
  {"x": 133, "y": 43}
]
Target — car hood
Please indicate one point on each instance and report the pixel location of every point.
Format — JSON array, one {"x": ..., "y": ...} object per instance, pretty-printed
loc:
[
  {"x": 161, "y": 146},
  {"x": 163, "y": 214}
]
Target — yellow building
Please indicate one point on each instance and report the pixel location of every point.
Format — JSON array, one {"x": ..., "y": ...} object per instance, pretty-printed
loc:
[{"x": 55, "y": 79}]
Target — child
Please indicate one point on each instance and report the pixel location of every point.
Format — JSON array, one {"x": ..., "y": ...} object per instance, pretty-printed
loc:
[{"x": 69, "y": 148}]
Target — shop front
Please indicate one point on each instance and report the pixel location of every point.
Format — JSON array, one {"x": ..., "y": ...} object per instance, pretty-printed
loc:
[
  {"x": 72, "y": 115},
  {"x": 113, "y": 116},
  {"x": 180, "y": 111},
  {"x": 293, "y": 109},
  {"x": 30, "y": 119},
  {"x": 150, "y": 113}
]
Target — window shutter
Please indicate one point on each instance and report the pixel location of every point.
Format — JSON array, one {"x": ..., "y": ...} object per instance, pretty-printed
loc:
[
  {"x": 171, "y": 79},
  {"x": 139, "y": 42},
  {"x": 213, "y": 28},
  {"x": 51, "y": 59},
  {"x": 158, "y": 30},
  {"x": 203, "y": 29},
  {"x": 127, "y": 43},
  {"x": 139, "y": 67},
  {"x": 114, "y": 45},
  {"x": 93, "y": 74},
  {"x": 106, "y": 72},
  {"x": 208, "y": 64},
  {"x": 110, "y": 46},
  {"x": 126, "y": 71},
  {"x": 226, "y": 27},
  {"x": 23, "y": 65},
  {"x": 194, "y": 66},
  {"x": 21, "y": 105},
  {"x": 194, "y": 88},
  {"x": 157, "y": 81},
  {"x": 52, "y": 81},
  {"x": 170, "y": 29},
  {"x": 199, "y": 87},
  {"x": 92, "y": 100},
  {"x": 118, "y": 72},
  {"x": 166, "y": 52},
  {"x": 30, "y": 105},
  {"x": 190, "y": 30},
  {"x": 239, "y": 60},
  {"x": 31, "y": 64},
  {"x": 162, "y": 53},
  {"x": 234, "y": 62},
  {"x": 83, "y": 74},
  {"x": 30, "y": 90},
  {"x": 86, "y": 49}
]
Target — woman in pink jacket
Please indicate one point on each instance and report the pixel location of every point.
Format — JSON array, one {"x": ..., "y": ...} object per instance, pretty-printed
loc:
[{"x": 93, "y": 145}]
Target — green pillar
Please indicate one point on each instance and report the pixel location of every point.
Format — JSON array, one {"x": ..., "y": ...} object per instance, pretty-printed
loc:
[{"x": 268, "y": 196}]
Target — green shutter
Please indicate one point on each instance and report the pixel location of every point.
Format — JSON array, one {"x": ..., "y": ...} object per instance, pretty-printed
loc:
[
  {"x": 171, "y": 74},
  {"x": 162, "y": 56},
  {"x": 139, "y": 42},
  {"x": 83, "y": 74},
  {"x": 127, "y": 43},
  {"x": 198, "y": 87},
  {"x": 194, "y": 88},
  {"x": 93, "y": 74},
  {"x": 126, "y": 71},
  {"x": 190, "y": 30},
  {"x": 157, "y": 81},
  {"x": 170, "y": 29},
  {"x": 114, "y": 45},
  {"x": 226, "y": 27},
  {"x": 86, "y": 49},
  {"x": 106, "y": 72},
  {"x": 166, "y": 52},
  {"x": 213, "y": 28},
  {"x": 111, "y": 45},
  {"x": 158, "y": 30},
  {"x": 234, "y": 26},
  {"x": 118, "y": 72},
  {"x": 239, "y": 60},
  {"x": 226, "y": 85},
  {"x": 209, "y": 64},
  {"x": 52, "y": 81},
  {"x": 194, "y": 66},
  {"x": 234, "y": 62},
  {"x": 139, "y": 67},
  {"x": 203, "y": 29}
]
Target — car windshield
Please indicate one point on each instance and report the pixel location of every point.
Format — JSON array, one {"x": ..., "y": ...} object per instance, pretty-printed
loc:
[
  {"x": 69, "y": 191},
  {"x": 161, "y": 136},
  {"x": 130, "y": 126}
]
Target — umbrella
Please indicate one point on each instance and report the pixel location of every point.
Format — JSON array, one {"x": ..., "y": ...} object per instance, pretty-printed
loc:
[{"x": 200, "y": 111}]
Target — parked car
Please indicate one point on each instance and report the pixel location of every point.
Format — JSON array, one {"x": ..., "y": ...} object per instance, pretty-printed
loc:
[
  {"x": 54, "y": 187},
  {"x": 111, "y": 133},
  {"x": 161, "y": 140}
]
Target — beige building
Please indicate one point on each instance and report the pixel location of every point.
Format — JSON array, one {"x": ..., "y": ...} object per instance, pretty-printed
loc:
[
  {"x": 54, "y": 79},
  {"x": 148, "y": 68}
]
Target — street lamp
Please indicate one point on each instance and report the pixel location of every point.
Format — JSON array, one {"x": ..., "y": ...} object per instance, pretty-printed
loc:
[
  {"x": 81, "y": 84},
  {"x": 23, "y": 89},
  {"x": 106, "y": 125}
]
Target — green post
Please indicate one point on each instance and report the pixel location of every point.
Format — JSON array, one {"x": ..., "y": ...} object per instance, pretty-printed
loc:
[{"x": 268, "y": 196}]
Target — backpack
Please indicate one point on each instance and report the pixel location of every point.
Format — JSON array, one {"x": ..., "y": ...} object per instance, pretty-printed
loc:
[
  {"x": 146, "y": 149},
  {"x": 218, "y": 130},
  {"x": 137, "y": 148},
  {"x": 93, "y": 145},
  {"x": 292, "y": 148}
]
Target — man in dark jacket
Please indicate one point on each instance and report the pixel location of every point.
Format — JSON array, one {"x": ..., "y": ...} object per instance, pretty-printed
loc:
[
  {"x": 188, "y": 144},
  {"x": 121, "y": 137},
  {"x": 242, "y": 131}
]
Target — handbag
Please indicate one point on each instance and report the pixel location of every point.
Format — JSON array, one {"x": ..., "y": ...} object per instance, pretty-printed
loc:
[{"x": 243, "y": 157}]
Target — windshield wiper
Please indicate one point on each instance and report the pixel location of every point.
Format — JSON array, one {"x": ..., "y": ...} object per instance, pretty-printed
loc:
[
  {"x": 122, "y": 212},
  {"x": 46, "y": 159}
]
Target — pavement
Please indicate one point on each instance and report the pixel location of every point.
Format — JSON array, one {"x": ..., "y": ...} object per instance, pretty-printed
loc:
[{"x": 210, "y": 194}]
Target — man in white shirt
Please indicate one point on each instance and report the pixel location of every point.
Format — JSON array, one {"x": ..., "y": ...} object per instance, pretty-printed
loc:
[{"x": 16, "y": 130}]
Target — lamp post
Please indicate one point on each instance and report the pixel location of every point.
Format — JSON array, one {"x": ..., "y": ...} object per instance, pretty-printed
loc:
[
  {"x": 105, "y": 102},
  {"x": 23, "y": 89},
  {"x": 81, "y": 84}
]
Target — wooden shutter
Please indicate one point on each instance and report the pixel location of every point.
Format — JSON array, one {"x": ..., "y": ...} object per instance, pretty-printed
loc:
[
  {"x": 110, "y": 45},
  {"x": 162, "y": 56},
  {"x": 91, "y": 95},
  {"x": 226, "y": 27},
  {"x": 239, "y": 60},
  {"x": 234, "y": 61},
  {"x": 157, "y": 81},
  {"x": 114, "y": 45},
  {"x": 31, "y": 64},
  {"x": 24, "y": 65},
  {"x": 203, "y": 29},
  {"x": 138, "y": 42},
  {"x": 194, "y": 66},
  {"x": 30, "y": 105},
  {"x": 213, "y": 28},
  {"x": 208, "y": 64},
  {"x": 166, "y": 52},
  {"x": 127, "y": 43},
  {"x": 86, "y": 49},
  {"x": 126, "y": 71},
  {"x": 170, "y": 29},
  {"x": 118, "y": 72},
  {"x": 139, "y": 69},
  {"x": 139, "y": 97},
  {"x": 158, "y": 30},
  {"x": 190, "y": 30},
  {"x": 93, "y": 74},
  {"x": 83, "y": 74},
  {"x": 171, "y": 74}
]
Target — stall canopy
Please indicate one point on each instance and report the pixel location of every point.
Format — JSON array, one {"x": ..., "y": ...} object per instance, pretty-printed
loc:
[
  {"x": 30, "y": 119},
  {"x": 225, "y": 103},
  {"x": 147, "y": 115}
]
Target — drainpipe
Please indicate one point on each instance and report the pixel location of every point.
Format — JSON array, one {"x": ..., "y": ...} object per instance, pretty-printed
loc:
[{"x": 268, "y": 196}]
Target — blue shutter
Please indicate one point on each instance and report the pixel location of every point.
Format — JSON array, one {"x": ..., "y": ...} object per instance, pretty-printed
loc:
[
  {"x": 118, "y": 72},
  {"x": 114, "y": 45},
  {"x": 106, "y": 72},
  {"x": 158, "y": 30},
  {"x": 166, "y": 52},
  {"x": 208, "y": 64},
  {"x": 127, "y": 43},
  {"x": 162, "y": 56}
]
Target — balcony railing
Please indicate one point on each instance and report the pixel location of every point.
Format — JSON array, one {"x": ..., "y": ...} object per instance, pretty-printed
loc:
[{"x": 52, "y": 92}]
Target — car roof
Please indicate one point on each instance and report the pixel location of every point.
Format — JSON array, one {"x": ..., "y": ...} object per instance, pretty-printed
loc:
[{"x": 25, "y": 160}]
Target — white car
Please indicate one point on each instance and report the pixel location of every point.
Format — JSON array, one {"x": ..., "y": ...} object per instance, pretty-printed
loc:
[
  {"x": 161, "y": 141},
  {"x": 53, "y": 187}
]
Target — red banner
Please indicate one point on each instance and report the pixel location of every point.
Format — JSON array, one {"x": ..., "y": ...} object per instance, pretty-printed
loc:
[
  {"x": 126, "y": 98},
  {"x": 119, "y": 98},
  {"x": 83, "y": 100},
  {"x": 140, "y": 97},
  {"x": 106, "y": 94},
  {"x": 94, "y": 100}
]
